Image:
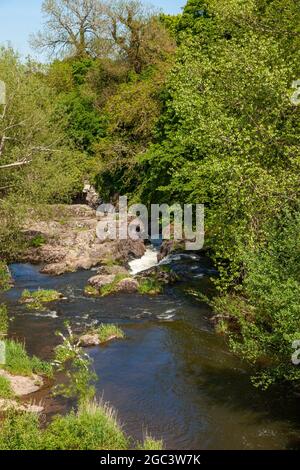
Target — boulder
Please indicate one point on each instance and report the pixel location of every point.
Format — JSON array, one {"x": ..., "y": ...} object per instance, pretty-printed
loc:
[
  {"x": 101, "y": 280},
  {"x": 22, "y": 386},
  {"x": 89, "y": 340},
  {"x": 128, "y": 286}
]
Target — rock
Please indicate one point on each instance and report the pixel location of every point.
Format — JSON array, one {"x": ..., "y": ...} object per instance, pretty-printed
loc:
[
  {"x": 168, "y": 247},
  {"x": 160, "y": 273},
  {"x": 91, "y": 196},
  {"x": 101, "y": 280},
  {"x": 8, "y": 404},
  {"x": 22, "y": 386},
  {"x": 128, "y": 286},
  {"x": 115, "y": 269},
  {"x": 71, "y": 242},
  {"x": 89, "y": 340},
  {"x": 129, "y": 249}
]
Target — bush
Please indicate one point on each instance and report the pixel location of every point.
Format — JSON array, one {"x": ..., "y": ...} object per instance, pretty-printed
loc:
[{"x": 20, "y": 431}]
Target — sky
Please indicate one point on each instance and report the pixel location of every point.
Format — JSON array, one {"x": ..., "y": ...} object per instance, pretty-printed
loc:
[{"x": 20, "y": 18}]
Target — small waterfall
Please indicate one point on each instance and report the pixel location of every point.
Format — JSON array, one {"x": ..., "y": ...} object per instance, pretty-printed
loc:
[{"x": 149, "y": 260}]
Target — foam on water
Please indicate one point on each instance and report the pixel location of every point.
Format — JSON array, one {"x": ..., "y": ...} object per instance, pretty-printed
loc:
[{"x": 149, "y": 260}]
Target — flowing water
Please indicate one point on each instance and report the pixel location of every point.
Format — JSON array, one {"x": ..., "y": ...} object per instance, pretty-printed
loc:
[{"x": 172, "y": 376}]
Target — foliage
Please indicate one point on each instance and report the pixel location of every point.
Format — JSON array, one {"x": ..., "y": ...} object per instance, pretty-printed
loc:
[
  {"x": 4, "y": 277},
  {"x": 150, "y": 286},
  {"x": 107, "y": 331},
  {"x": 18, "y": 362},
  {"x": 93, "y": 427},
  {"x": 151, "y": 444},
  {"x": 3, "y": 320},
  {"x": 5, "y": 388},
  {"x": 229, "y": 138},
  {"x": 20, "y": 431},
  {"x": 36, "y": 299},
  {"x": 70, "y": 358}
]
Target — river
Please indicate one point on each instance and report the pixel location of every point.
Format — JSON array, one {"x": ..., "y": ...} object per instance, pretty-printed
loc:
[{"x": 172, "y": 376}]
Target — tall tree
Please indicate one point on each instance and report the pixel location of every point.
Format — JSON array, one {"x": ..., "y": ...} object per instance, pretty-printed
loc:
[
  {"x": 71, "y": 27},
  {"x": 137, "y": 33}
]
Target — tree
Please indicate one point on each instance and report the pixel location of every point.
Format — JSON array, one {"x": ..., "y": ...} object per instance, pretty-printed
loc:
[
  {"x": 72, "y": 26},
  {"x": 137, "y": 33}
]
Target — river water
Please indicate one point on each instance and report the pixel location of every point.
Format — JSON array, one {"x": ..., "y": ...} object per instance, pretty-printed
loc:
[{"x": 172, "y": 376}]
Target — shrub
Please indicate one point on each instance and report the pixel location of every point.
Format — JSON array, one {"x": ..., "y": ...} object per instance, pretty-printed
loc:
[{"x": 20, "y": 431}]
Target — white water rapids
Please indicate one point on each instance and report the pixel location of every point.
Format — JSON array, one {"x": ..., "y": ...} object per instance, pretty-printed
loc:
[{"x": 149, "y": 260}]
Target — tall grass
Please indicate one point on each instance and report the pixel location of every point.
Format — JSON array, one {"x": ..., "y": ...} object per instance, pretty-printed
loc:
[{"x": 18, "y": 362}]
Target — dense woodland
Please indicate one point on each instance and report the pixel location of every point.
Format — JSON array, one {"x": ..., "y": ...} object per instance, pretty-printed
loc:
[{"x": 189, "y": 108}]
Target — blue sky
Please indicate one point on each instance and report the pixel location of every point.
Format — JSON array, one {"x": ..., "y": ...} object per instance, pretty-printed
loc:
[{"x": 20, "y": 18}]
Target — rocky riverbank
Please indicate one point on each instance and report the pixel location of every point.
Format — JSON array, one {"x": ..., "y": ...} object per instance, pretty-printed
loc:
[{"x": 67, "y": 242}]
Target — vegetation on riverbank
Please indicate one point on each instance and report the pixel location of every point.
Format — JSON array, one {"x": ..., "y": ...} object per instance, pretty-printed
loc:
[
  {"x": 37, "y": 299},
  {"x": 93, "y": 427},
  {"x": 199, "y": 112}
]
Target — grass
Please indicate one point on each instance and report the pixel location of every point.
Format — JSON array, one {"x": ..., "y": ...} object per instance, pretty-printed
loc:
[
  {"x": 150, "y": 287},
  {"x": 20, "y": 431},
  {"x": 93, "y": 427},
  {"x": 4, "y": 277},
  {"x": 37, "y": 241},
  {"x": 151, "y": 444},
  {"x": 108, "y": 331},
  {"x": 18, "y": 362},
  {"x": 111, "y": 262},
  {"x": 90, "y": 290},
  {"x": 5, "y": 388},
  {"x": 110, "y": 288},
  {"x": 38, "y": 298},
  {"x": 3, "y": 321}
]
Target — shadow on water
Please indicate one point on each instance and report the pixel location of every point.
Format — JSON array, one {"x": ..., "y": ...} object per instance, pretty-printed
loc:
[{"x": 171, "y": 376}]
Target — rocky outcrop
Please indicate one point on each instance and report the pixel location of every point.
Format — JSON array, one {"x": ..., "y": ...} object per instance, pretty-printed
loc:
[
  {"x": 22, "y": 386},
  {"x": 89, "y": 340},
  {"x": 128, "y": 286},
  {"x": 162, "y": 274},
  {"x": 101, "y": 280},
  {"x": 68, "y": 242}
]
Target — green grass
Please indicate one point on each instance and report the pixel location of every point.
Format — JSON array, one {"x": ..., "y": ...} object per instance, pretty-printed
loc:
[
  {"x": 20, "y": 431},
  {"x": 149, "y": 287},
  {"x": 4, "y": 277},
  {"x": 93, "y": 427},
  {"x": 37, "y": 241},
  {"x": 18, "y": 362},
  {"x": 3, "y": 321},
  {"x": 38, "y": 298},
  {"x": 106, "y": 331},
  {"x": 151, "y": 444},
  {"x": 5, "y": 388},
  {"x": 90, "y": 290},
  {"x": 110, "y": 288}
]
